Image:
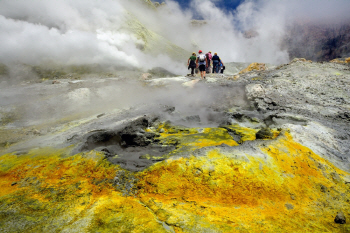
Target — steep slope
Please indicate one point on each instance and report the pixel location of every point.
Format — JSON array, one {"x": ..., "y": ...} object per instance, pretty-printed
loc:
[{"x": 153, "y": 43}]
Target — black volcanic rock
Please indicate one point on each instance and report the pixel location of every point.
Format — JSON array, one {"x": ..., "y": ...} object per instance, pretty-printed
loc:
[{"x": 340, "y": 218}]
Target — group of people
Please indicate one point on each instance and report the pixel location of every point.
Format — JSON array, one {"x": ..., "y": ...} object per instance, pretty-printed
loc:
[{"x": 203, "y": 62}]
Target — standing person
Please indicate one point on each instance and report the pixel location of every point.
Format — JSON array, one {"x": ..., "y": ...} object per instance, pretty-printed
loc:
[
  {"x": 191, "y": 63},
  {"x": 201, "y": 63},
  {"x": 209, "y": 57},
  {"x": 216, "y": 63}
]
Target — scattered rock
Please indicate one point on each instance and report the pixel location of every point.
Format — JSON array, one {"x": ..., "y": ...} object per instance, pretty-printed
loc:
[
  {"x": 161, "y": 72},
  {"x": 34, "y": 132},
  {"x": 295, "y": 60},
  {"x": 135, "y": 134},
  {"x": 323, "y": 188},
  {"x": 335, "y": 177},
  {"x": 264, "y": 133},
  {"x": 146, "y": 76},
  {"x": 340, "y": 218},
  {"x": 234, "y": 77},
  {"x": 198, "y": 172},
  {"x": 125, "y": 182},
  {"x": 190, "y": 83},
  {"x": 168, "y": 109},
  {"x": 336, "y": 60},
  {"x": 158, "y": 4},
  {"x": 236, "y": 136},
  {"x": 195, "y": 118},
  {"x": 289, "y": 206},
  {"x": 254, "y": 91}
]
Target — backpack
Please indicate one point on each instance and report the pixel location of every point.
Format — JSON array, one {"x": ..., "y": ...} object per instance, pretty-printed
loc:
[
  {"x": 201, "y": 57},
  {"x": 209, "y": 56}
]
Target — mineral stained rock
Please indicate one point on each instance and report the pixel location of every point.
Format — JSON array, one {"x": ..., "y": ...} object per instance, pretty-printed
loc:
[{"x": 254, "y": 66}]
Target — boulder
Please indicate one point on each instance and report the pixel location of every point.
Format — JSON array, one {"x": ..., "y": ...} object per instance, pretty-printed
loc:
[
  {"x": 340, "y": 218},
  {"x": 135, "y": 135},
  {"x": 254, "y": 91},
  {"x": 264, "y": 134}
]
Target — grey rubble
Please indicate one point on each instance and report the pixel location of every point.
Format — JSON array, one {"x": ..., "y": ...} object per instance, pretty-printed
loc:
[{"x": 309, "y": 99}]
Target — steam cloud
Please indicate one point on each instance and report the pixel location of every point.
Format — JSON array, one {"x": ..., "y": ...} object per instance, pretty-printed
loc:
[{"x": 90, "y": 32}]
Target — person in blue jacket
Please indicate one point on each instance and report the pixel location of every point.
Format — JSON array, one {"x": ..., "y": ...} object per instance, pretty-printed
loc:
[{"x": 216, "y": 63}]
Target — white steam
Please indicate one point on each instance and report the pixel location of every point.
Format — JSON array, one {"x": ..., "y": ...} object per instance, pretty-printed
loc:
[{"x": 93, "y": 32}]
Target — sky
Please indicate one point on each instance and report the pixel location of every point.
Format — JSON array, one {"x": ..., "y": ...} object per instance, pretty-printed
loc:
[
  {"x": 92, "y": 32},
  {"x": 225, "y": 5}
]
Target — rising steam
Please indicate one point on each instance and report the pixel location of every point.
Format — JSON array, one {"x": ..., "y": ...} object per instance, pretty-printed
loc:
[{"x": 91, "y": 32}]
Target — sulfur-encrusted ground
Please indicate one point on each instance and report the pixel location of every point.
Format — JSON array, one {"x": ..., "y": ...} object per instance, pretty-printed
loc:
[{"x": 280, "y": 186}]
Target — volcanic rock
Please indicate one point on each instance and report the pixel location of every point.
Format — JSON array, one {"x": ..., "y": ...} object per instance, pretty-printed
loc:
[
  {"x": 264, "y": 133},
  {"x": 169, "y": 158},
  {"x": 340, "y": 218}
]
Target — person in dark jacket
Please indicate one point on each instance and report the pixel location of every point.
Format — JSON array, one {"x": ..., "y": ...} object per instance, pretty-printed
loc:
[
  {"x": 216, "y": 63},
  {"x": 191, "y": 63}
]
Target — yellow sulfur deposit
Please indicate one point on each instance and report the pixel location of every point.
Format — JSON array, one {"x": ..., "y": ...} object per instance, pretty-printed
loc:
[
  {"x": 45, "y": 191},
  {"x": 292, "y": 190},
  {"x": 254, "y": 66},
  {"x": 281, "y": 186},
  {"x": 342, "y": 61},
  {"x": 300, "y": 60}
]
